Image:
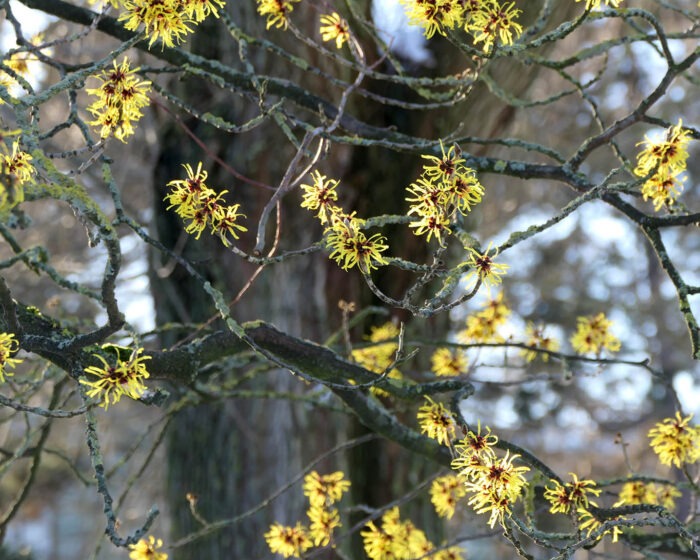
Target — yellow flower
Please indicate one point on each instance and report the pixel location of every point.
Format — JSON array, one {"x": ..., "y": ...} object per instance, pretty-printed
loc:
[
  {"x": 199, "y": 10},
  {"x": 334, "y": 27},
  {"x": 593, "y": 335},
  {"x": 496, "y": 310},
  {"x": 637, "y": 492},
  {"x": 320, "y": 196},
  {"x": 323, "y": 490},
  {"x": 471, "y": 451},
  {"x": 146, "y": 550},
  {"x": 166, "y": 20},
  {"x": 227, "y": 224},
  {"x": 663, "y": 188},
  {"x": 590, "y": 4},
  {"x": 277, "y": 12},
  {"x": 378, "y": 544},
  {"x": 120, "y": 98},
  {"x": 479, "y": 329},
  {"x": 484, "y": 268},
  {"x": 435, "y": 224},
  {"x": 571, "y": 494},
  {"x": 675, "y": 441},
  {"x": 483, "y": 326},
  {"x": 122, "y": 378},
  {"x": 493, "y": 21},
  {"x": 378, "y": 357},
  {"x": 288, "y": 541},
  {"x": 396, "y": 540},
  {"x": 464, "y": 190},
  {"x": 8, "y": 347},
  {"x": 6, "y": 81},
  {"x": 17, "y": 164},
  {"x": 451, "y": 553},
  {"x": 445, "y": 187},
  {"x": 350, "y": 247},
  {"x": 448, "y": 362},
  {"x": 665, "y": 495},
  {"x": 446, "y": 167},
  {"x": 323, "y": 522},
  {"x": 588, "y": 523},
  {"x": 434, "y": 15},
  {"x": 387, "y": 331},
  {"x": 429, "y": 196},
  {"x": 537, "y": 340},
  {"x": 667, "y": 159},
  {"x": 445, "y": 492},
  {"x": 436, "y": 421},
  {"x": 417, "y": 542},
  {"x": 495, "y": 485},
  {"x": 193, "y": 200}
]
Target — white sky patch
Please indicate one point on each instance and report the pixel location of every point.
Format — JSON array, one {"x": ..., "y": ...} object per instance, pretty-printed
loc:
[
  {"x": 687, "y": 386},
  {"x": 33, "y": 22},
  {"x": 604, "y": 229},
  {"x": 132, "y": 289},
  {"x": 403, "y": 39}
]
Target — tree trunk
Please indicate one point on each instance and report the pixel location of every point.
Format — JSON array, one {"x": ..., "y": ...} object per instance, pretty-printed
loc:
[{"x": 232, "y": 454}]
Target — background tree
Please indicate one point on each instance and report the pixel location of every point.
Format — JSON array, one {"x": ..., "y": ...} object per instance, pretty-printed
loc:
[{"x": 273, "y": 110}]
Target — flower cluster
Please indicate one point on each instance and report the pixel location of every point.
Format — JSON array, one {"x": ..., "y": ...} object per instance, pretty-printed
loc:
[
  {"x": 380, "y": 355},
  {"x": 325, "y": 489},
  {"x": 15, "y": 170},
  {"x": 448, "y": 362},
  {"x": 276, "y": 11},
  {"x": 445, "y": 187},
  {"x": 167, "y": 20},
  {"x": 593, "y": 335},
  {"x": 483, "y": 325},
  {"x": 563, "y": 497},
  {"x": 323, "y": 492},
  {"x": 675, "y": 441},
  {"x": 487, "y": 21},
  {"x": 574, "y": 496},
  {"x": 195, "y": 202},
  {"x": 120, "y": 98},
  {"x": 349, "y": 246},
  {"x": 117, "y": 379},
  {"x": 8, "y": 347},
  {"x": 638, "y": 492},
  {"x": 538, "y": 340},
  {"x": 493, "y": 483},
  {"x": 445, "y": 492},
  {"x": 288, "y": 541},
  {"x": 334, "y": 28},
  {"x": 436, "y": 422},
  {"x": 147, "y": 550},
  {"x": 401, "y": 540},
  {"x": 665, "y": 160}
]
